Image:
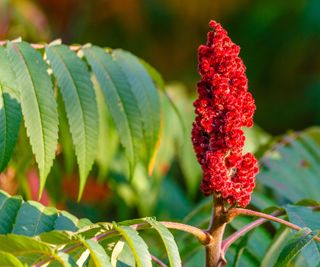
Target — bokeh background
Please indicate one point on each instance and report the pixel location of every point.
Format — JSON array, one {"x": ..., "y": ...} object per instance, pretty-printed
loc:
[{"x": 280, "y": 43}]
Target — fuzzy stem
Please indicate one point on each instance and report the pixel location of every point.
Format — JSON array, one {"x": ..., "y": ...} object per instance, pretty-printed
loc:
[
  {"x": 246, "y": 212},
  {"x": 236, "y": 235}
]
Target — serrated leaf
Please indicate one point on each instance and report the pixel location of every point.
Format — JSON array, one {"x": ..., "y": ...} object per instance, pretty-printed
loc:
[
  {"x": 8, "y": 259},
  {"x": 169, "y": 242},
  {"x": 120, "y": 99},
  {"x": 294, "y": 246},
  {"x": 38, "y": 104},
  {"x": 136, "y": 244},
  {"x": 80, "y": 104},
  {"x": 9, "y": 207},
  {"x": 146, "y": 94},
  {"x": 10, "y": 111},
  {"x": 99, "y": 257}
]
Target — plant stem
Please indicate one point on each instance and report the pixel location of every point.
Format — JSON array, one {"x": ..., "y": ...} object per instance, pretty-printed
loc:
[
  {"x": 246, "y": 212},
  {"x": 219, "y": 219},
  {"x": 201, "y": 235},
  {"x": 158, "y": 262},
  {"x": 236, "y": 235},
  {"x": 41, "y": 46}
]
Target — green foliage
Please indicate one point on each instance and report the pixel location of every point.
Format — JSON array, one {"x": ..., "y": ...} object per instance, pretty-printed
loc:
[
  {"x": 38, "y": 235},
  {"x": 26, "y": 79},
  {"x": 38, "y": 105},
  {"x": 294, "y": 246},
  {"x": 291, "y": 168},
  {"x": 80, "y": 104}
]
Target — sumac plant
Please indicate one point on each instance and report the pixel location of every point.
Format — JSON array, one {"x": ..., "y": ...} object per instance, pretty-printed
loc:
[{"x": 37, "y": 81}]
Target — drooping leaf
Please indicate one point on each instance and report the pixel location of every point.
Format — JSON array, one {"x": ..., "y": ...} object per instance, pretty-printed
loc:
[
  {"x": 80, "y": 104},
  {"x": 294, "y": 246},
  {"x": 10, "y": 111},
  {"x": 147, "y": 97},
  {"x": 99, "y": 257},
  {"x": 38, "y": 104},
  {"x": 136, "y": 244},
  {"x": 168, "y": 240},
  {"x": 120, "y": 99}
]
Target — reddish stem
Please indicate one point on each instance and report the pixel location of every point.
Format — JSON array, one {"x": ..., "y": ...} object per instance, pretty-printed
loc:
[
  {"x": 236, "y": 235},
  {"x": 241, "y": 211}
]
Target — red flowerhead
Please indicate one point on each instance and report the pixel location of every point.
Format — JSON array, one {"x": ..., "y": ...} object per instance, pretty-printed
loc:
[{"x": 223, "y": 107}]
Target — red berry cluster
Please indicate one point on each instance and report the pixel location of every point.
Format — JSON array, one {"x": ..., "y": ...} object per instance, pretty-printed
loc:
[{"x": 223, "y": 107}]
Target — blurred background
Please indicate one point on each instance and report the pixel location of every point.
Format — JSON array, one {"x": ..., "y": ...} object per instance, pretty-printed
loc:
[{"x": 279, "y": 41}]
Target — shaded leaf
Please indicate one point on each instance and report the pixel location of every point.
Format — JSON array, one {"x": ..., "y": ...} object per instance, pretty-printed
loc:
[
  {"x": 10, "y": 111},
  {"x": 147, "y": 97},
  {"x": 120, "y": 99}
]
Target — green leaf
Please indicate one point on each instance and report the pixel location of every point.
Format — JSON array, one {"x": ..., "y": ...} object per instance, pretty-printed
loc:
[
  {"x": 10, "y": 111},
  {"x": 38, "y": 104},
  {"x": 33, "y": 219},
  {"x": 148, "y": 100},
  {"x": 276, "y": 246},
  {"x": 294, "y": 246},
  {"x": 168, "y": 240},
  {"x": 120, "y": 99},
  {"x": 136, "y": 244},
  {"x": 307, "y": 217},
  {"x": 7, "y": 259},
  {"x": 291, "y": 168},
  {"x": 22, "y": 245},
  {"x": 9, "y": 207},
  {"x": 80, "y": 104},
  {"x": 99, "y": 257}
]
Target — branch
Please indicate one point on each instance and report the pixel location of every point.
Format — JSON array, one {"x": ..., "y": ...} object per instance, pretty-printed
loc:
[
  {"x": 158, "y": 262},
  {"x": 236, "y": 235},
  {"x": 201, "y": 235},
  {"x": 42, "y": 46},
  {"x": 246, "y": 212}
]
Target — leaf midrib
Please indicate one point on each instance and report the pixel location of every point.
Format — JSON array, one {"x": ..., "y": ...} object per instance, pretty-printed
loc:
[
  {"x": 78, "y": 98},
  {"x": 106, "y": 76},
  {"x": 37, "y": 100}
]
